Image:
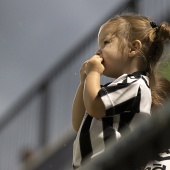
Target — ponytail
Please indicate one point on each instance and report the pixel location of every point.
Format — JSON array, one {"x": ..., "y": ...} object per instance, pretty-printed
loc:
[
  {"x": 160, "y": 86},
  {"x": 163, "y": 32},
  {"x": 160, "y": 89}
]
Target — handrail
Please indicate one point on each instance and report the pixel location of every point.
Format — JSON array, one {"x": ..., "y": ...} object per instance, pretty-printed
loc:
[
  {"x": 134, "y": 150},
  {"x": 68, "y": 58}
]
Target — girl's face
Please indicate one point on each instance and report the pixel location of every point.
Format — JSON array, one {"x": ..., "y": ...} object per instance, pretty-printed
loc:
[{"x": 115, "y": 60}]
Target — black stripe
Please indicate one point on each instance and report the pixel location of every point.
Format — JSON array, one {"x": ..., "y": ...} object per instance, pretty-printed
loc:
[
  {"x": 136, "y": 103},
  {"x": 125, "y": 106},
  {"x": 108, "y": 130},
  {"x": 105, "y": 90},
  {"x": 130, "y": 105},
  {"x": 124, "y": 81},
  {"x": 126, "y": 118},
  {"x": 126, "y": 110},
  {"x": 137, "y": 74},
  {"x": 85, "y": 142},
  {"x": 124, "y": 84}
]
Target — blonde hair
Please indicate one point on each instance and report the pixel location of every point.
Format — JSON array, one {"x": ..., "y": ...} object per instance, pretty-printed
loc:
[{"x": 130, "y": 27}]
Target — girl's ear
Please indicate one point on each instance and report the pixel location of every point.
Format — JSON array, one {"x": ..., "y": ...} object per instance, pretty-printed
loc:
[{"x": 136, "y": 47}]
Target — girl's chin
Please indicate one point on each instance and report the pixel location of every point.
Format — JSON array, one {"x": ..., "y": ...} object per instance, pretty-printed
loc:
[{"x": 105, "y": 73}]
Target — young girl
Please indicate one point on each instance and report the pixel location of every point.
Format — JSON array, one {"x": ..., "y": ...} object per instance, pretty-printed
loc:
[{"x": 130, "y": 47}]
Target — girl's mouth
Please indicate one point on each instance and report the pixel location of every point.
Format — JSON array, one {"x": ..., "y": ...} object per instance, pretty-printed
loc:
[{"x": 102, "y": 60}]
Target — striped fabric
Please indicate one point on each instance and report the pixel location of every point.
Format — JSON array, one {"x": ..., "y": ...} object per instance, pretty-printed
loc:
[
  {"x": 162, "y": 161},
  {"x": 127, "y": 101}
]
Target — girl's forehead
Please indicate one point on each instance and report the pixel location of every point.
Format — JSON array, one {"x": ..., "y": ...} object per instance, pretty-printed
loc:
[{"x": 104, "y": 33}]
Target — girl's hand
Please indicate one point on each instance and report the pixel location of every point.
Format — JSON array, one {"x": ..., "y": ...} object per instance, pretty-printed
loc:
[
  {"x": 83, "y": 72},
  {"x": 95, "y": 65}
]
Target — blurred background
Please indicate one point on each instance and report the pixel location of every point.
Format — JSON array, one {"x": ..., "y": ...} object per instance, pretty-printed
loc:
[{"x": 42, "y": 46}]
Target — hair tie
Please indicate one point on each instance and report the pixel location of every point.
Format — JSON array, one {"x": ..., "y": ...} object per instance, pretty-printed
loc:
[{"x": 153, "y": 24}]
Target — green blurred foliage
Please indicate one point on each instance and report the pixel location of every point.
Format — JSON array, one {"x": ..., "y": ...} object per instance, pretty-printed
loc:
[{"x": 164, "y": 69}]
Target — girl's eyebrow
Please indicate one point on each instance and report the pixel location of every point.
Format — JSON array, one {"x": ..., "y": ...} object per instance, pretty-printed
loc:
[{"x": 104, "y": 37}]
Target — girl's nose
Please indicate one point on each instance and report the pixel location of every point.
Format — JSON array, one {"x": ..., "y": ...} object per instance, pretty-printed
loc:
[{"x": 98, "y": 52}]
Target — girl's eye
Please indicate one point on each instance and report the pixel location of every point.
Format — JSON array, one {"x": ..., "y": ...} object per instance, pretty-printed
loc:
[{"x": 106, "y": 42}]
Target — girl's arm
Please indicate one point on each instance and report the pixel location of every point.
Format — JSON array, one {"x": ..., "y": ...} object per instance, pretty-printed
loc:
[
  {"x": 78, "y": 108},
  {"x": 92, "y": 101}
]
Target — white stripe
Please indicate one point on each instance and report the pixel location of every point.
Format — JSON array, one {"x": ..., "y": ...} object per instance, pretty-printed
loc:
[
  {"x": 76, "y": 152},
  {"x": 97, "y": 136},
  {"x": 76, "y": 146},
  {"x": 146, "y": 99}
]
